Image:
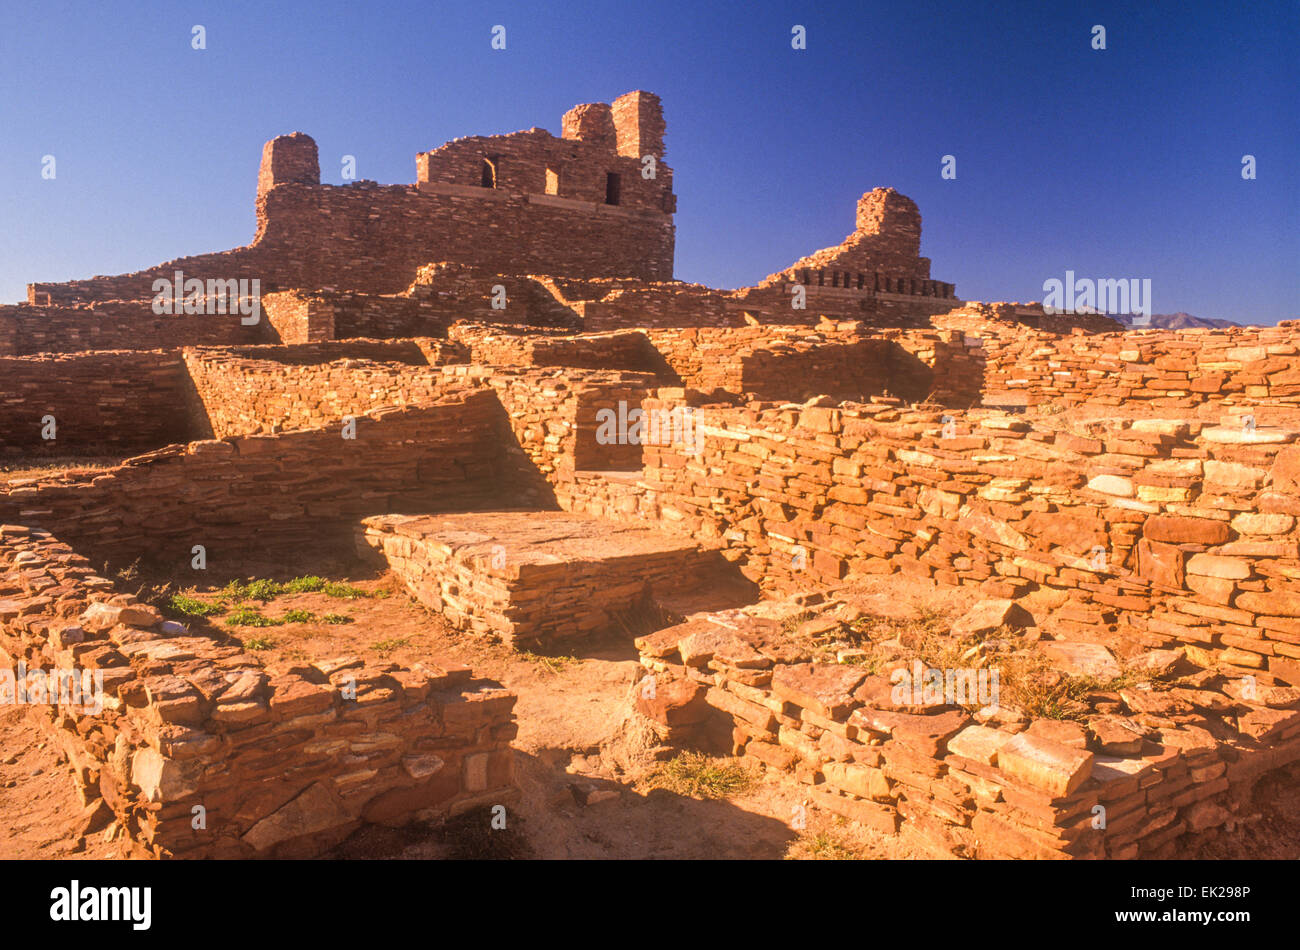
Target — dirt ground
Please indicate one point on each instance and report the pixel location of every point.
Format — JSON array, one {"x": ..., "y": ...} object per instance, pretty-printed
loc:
[
  {"x": 39, "y": 809},
  {"x": 576, "y": 736}
]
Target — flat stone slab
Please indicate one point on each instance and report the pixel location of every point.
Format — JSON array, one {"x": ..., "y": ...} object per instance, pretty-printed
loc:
[
  {"x": 534, "y": 577},
  {"x": 1243, "y": 436},
  {"x": 1057, "y": 769},
  {"x": 510, "y": 540},
  {"x": 1081, "y": 659},
  {"x": 531, "y": 537}
]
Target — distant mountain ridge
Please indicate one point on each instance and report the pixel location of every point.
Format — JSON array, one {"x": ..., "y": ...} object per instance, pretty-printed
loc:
[{"x": 1181, "y": 321}]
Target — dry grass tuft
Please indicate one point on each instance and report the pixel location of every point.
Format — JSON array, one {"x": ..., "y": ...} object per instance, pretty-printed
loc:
[{"x": 700, "y": 776}]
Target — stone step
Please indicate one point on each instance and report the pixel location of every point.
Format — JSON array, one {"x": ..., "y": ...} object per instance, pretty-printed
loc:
[{"x": 545, "y": 578}]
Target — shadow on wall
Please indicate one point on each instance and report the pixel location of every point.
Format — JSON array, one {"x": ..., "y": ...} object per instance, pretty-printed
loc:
[
  {"x": 116, "y": 402},
  {"x": 407, "y": 352},
  {"x": 852, "y": 372},
  {"x": 945, "y": 373},
  {"x": 523, "y": 485},
  {"x": 906, "y": 375},
  {"x": 196, "y": 410},
  {"x": 652, "y": 361},
  {"x": 123, "y": 402},
  {"x": 243, "y": 496}
]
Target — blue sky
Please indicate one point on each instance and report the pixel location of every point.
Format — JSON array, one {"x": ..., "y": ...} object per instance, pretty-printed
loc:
[{"x": 1117, "y": 163}]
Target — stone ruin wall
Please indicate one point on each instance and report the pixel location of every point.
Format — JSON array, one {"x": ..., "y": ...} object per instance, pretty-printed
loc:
[
  {"x": 1197, "y": 524},
  {"x": 412, "y": 351},
  {"x": 507, "y": 347},
  {"x": 442, "y": 294},
  {"x": 255, "y": 390},
  {"x": 551, "y": 414},
  {"x": 296, "y": 317},
  {"x": 446, "y": 293},
  {"x": 764, "y": 360},
  {"x": 522, "y": 160},
  {"x": 600, "y": 306},
  {"x": 192, "y": 722},
  {"x": 539, "y": 420},
  {"x": 1166, "y": 371},
  {"x": 250, "y": 494},
  {"x": 841, "y": 361},
  {"x": 1198, "y": 528},
  {"x": 190, "y": 727},
  {"x": 419, "y": 298},
  {"x": 120, "y": 402},
  {"x": 875, "y": 274},
  {"x": 1194, "y": 511},
  {"x": 909, "y": 307},
  {"x": 114, "y": 325},
  {"x": 103, "y": 403},
  {"x": 886, "y": 238},
  {"x": 374, "y": 238},
  {"x": 550, "y": 387},
  {"x": 950, "y": 784},
  {"x": 543, "y": 595},
  {"x": 325, "y": 236}
]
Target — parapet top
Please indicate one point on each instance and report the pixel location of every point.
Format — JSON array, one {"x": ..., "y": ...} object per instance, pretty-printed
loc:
[
  {"x": 883, "y": 210},
  {"x": 633, "y": 125}
]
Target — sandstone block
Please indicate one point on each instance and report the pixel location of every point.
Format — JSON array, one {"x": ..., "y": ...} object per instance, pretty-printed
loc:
[
  {"x": 979, "y": 744},
  {"x": 825, "y": 689},
  {"x": 990, "y": 616},
  {"x": 1041, "y": 763}
]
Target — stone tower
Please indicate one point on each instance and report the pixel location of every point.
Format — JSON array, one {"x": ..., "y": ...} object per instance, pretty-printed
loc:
[{"x": 288, "y": 158}]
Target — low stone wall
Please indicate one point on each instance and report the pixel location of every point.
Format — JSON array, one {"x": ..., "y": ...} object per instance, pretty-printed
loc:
[
  {"x": 273, "y": 392},
  {"x": 551, "y": 422},
  {"x": 781, "y": 362},
  {"x": 514, "y": 347},
  {"x": 27, "y": 329},
  {"x": 841, "y": 360},
  {"x": 944, "y": 367},
  {"x": 199, "y": 750},
  {"x": 543, "y": 424},
  {"x": 768, "y": 362},
  {"x": 440, "y": 295},
  {"x": 102, "y": 403},
  {"x": 612, "y": 304},
  {"x": 900, "y": 307},
  {"x": 416, "y": 351},
  {"x": 1149, "y": 534},
  {"x": 299, "y": 317},
  {"x": 656, "y": 305},
  {"x": 1191, "y": 372},
  {"x": 295, "y": 491},
  {"x": 375, "y": 315},
  {"x": 976, "y": 782}
]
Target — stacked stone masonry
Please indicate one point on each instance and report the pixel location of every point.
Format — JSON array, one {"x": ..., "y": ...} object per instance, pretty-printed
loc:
[
  {"x": 536, "y": 579},
  {"x": 435, "y": 369},
  {"x": 480, "y": 201},
  {"x": 969, "y": 781},
  {"x": 1196, "y": 525},
  {"x": 279, "y": 762},
  {"x": 96, "y": 403},
  {"x": 250, "y": 391},
  {"x": 290, "y": 492},
  {"x": 115, "y": 324},
  {"x": 1160, "y": 370}
]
